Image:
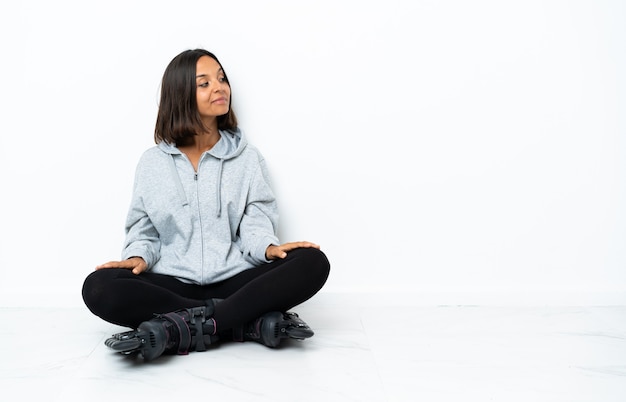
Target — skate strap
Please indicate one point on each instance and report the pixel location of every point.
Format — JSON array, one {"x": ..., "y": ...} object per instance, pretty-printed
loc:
[
  {"x": 197, "y": 318},
  {"x": 183, "y": 329}
]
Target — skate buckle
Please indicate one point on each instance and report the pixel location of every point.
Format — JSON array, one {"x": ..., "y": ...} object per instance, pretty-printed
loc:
[{"x": 197, "y": 312}]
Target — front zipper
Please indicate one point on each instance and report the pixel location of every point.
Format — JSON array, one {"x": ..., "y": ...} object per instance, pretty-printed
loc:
[{"x": 202, "y": 251}]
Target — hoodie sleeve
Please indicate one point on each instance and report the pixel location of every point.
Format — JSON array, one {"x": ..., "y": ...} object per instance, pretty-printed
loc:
[
  {"x": 259, "y": 223},
  {"x": 142, "y": 238}
]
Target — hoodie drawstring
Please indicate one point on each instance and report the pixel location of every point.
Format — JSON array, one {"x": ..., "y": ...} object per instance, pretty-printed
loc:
[{"x": 218, "y": 189}]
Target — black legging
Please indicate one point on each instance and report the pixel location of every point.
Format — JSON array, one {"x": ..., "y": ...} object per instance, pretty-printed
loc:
[{"x": 123, "y": 298}]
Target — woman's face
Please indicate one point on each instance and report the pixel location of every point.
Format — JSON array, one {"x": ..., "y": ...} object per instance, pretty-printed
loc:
[{"x": 212, "y": 92}]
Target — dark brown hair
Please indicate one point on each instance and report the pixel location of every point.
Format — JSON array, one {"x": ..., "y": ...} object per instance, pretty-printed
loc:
[{"x": 178, "y": 119}]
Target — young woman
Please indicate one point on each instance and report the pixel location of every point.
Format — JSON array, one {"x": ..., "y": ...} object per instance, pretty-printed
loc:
[{"x": 201, "y": 260}]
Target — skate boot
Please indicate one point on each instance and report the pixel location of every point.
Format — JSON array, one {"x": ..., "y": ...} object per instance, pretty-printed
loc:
[
  {"x": 272, "y": 327},
  {"x": 176, "y": 332}
]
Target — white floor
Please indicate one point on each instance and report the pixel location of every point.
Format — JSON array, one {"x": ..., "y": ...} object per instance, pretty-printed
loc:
[{"x": 363, "y": 350}]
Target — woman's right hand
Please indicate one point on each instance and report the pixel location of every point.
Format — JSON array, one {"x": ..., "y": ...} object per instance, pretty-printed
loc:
[
  {"x": 274, "y": 252},
  {"x": 136, "y": 264}
]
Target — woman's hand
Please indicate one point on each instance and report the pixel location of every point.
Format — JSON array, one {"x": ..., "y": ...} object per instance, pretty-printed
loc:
[
  {"x": 273, "y": 252},
  {"x": 136, "y": 264}
]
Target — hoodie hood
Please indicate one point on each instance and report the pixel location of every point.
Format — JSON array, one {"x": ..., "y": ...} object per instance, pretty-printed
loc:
[{"x": 230, "y": 145}]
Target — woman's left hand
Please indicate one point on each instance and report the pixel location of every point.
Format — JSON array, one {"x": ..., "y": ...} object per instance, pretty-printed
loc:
[{"x": 273, "y": 252}]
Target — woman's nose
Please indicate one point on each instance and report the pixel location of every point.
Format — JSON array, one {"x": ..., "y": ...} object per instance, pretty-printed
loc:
[{"x": 219, "y": 86}]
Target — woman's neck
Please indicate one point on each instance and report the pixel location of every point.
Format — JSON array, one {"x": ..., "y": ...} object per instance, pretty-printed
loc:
[{"x": 204, "y": 142}]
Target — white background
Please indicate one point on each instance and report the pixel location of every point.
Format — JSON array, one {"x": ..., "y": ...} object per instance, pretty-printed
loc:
[{"x": 431, "y": 147}]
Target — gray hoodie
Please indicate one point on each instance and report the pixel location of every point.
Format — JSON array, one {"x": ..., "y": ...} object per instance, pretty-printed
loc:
[{"x": 204, "y": 226}]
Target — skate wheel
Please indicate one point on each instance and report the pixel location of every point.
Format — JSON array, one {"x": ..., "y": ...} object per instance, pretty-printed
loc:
[{"x": 123, "y": 345}]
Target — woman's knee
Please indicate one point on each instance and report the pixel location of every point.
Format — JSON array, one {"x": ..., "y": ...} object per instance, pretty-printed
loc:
[
  {"x": 91, "y": 287},
  {"x": 96, "y": 286},
  {"x": 315, "y": 261}
]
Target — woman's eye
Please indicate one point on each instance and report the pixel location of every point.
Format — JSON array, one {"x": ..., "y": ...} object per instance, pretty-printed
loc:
[
  {"x": 204, "y": 85},
  {"x": 222, "y": 79}
]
